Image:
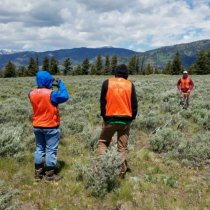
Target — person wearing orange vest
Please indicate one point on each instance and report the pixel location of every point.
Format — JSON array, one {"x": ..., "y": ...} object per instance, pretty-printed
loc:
[
  {"x": 46, "y": 121},
  {"x": 118, "y": 103},
  {"x": 185, "y": 84}
]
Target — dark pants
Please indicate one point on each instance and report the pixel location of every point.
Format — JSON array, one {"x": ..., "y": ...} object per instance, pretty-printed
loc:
[
  {"x": 185, "y": 99},
  {"x": 108, "y": 130}
]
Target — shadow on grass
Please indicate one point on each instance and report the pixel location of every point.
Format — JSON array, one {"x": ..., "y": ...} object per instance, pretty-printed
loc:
[{"x": 60, "y": 165}]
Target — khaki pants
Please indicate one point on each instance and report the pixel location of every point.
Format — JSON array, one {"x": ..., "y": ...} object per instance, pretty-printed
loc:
[{"x": 108, "y": 130}]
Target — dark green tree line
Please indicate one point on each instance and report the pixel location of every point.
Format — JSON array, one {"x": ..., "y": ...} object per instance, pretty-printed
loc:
[
  {"x": 10, "y": 70},
  {"x": 67, "y": 64}
]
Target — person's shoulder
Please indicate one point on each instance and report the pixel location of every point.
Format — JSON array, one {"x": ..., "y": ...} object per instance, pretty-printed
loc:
[
  {"x": 130, "y": 82},
  {"x": 179, "y": 78},
  {"x": 105, "y": 81},
  {"x": 190, "y": 79}
]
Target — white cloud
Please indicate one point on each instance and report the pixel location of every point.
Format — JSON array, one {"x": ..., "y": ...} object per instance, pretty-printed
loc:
[{"x": 138, "y": 24}]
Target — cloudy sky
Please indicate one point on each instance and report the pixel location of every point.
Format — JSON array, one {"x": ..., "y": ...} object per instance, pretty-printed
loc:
[{"x": 139, "y": 25}]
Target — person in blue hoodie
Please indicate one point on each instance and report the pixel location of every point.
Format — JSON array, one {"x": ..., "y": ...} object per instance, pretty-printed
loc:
[{"x": 46, "y": 121}]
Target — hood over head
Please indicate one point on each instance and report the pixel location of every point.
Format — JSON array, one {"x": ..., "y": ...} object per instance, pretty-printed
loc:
[{"x": 44, "y": 79}]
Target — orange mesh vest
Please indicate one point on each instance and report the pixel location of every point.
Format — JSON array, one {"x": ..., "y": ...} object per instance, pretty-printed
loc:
[
  {"x": 185, "y": 83},
  {"x": 118, "y": 97},
  {"x": 44, "y": 113}
]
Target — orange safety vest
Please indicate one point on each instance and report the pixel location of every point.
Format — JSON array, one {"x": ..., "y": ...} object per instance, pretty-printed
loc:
[
  {"x": 44, "y": 113},
  {"x": 185, "y": 83},
  {"x": 118, "y": 97}
]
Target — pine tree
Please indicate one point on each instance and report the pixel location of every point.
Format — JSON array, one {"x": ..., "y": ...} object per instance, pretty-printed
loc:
[
  {"x": 107, "y": 68},
  {"x": 99, "y": 65},
  {"x": 54, "y": 66},
  {"x": 77, "y": 70},
  {"x": 22, "y": 71},
  {"x": 156, "y": 71},
  {"x": 149, "y": 69},
  {"x": 141, "y": 68},
  {"x": 137, "y": 64},
  {"x": 93, "y": 69},
  {"x": 46, "y": 65},
  {"x": 208, "y": 61},
  {"x": 85, "y": 67},
  {"x": 176, "y": 65},
  {"x": 202, "y": 63},
  {"x": 192, "y": 69},
  {"x": 67, "y": 66},
  {"x": 168, "y": 68},
  {"x": 1, "y": 73},
  {"x": 10, "y": 70},
  {"x": 114, "y": 63},
  {"x": 32, "y": 67},
  {"x": 133, "y": 65},
  {"x": 37, "y": 63}
]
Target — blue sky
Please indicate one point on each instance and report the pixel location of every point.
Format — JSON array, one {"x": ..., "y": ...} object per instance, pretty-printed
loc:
[{"x": 139, "y": 25}]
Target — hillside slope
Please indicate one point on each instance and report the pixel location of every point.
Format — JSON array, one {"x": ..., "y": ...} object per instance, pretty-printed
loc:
[
  {"x": 188, "y": 52},
  {"x": 157, "y": 57},
  {"x": 76, "y": 54}
]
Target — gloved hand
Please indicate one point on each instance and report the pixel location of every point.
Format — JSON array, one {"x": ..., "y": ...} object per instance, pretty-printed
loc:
[{"x": 55, "y": 82}]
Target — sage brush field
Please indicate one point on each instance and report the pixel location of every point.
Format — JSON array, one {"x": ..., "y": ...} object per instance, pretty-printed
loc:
[{"x": 169, "y": 149}]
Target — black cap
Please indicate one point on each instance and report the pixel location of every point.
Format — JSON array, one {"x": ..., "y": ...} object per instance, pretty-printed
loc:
[{"x": 121, "y": 71}]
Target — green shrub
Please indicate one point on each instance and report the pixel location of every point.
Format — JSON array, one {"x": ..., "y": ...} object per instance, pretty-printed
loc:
[
  {"x": 100, "y": 175},
  {"x": 90, "y": 136},
  {"x": 195, "y": 151},
  {"x": 70, "y": 126},
  {"x": 8, "y": 200},
  {"x": 151, "y": 120},
  {"x": 12, "y": 142},
  {"x": 14, "y": 110},
  {"x": 165, "y": 140}
]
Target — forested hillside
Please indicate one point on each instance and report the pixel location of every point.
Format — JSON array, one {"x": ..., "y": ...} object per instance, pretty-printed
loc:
[{"x": 158, "y": 58}]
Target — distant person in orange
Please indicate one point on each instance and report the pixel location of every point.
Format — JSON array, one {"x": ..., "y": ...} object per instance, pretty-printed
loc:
[
  {"x": 185, "y": 84},
  {"x": 118, "y": 108}
]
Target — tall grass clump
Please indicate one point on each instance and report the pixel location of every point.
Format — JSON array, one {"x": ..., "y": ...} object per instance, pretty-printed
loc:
[{"x": 100, "y": 176}]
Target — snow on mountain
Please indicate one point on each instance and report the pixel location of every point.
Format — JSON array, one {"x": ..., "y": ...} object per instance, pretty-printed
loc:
[{"x": 7, "y": 52}]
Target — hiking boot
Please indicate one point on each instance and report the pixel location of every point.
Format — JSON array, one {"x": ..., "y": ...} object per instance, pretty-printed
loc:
[
  {"x": 129, "y": 170},
  {"x": 39, "y": 172},
  {"x": 51, "y": 176},
  {"x": 181, "y": 103}
]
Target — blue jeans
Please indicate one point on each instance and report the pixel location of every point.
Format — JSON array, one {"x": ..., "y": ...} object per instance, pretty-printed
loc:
[{"x": 47, "y": 141}]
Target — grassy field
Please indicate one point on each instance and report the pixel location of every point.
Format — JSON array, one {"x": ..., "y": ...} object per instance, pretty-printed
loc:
[{"x": 170, "y": 167}]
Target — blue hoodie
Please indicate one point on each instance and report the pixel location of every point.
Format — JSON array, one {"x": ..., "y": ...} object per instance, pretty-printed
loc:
[{"x": 44, "y": 80}]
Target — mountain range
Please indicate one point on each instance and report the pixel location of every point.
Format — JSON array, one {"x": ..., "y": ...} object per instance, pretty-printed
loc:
[{"x": 157, "y": 57}]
